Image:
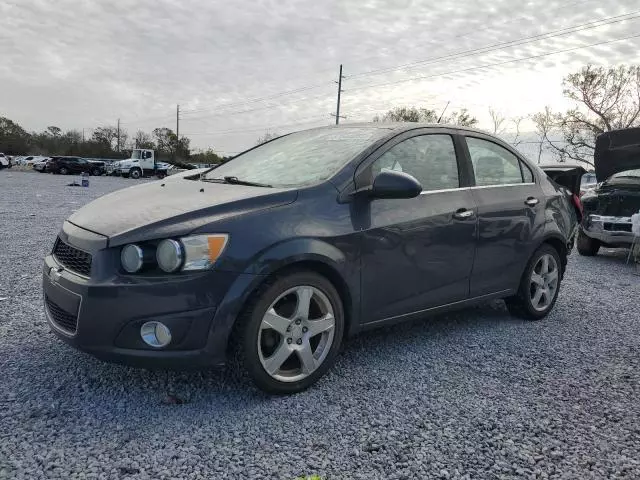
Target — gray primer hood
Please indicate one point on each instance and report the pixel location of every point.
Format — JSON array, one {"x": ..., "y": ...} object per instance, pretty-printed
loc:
[{"x": 167, "y": 208}]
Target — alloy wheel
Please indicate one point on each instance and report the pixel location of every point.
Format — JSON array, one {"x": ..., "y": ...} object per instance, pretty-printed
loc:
[
  {"x": 544, "y": 282},
  {"x": 296, "y": 333}
]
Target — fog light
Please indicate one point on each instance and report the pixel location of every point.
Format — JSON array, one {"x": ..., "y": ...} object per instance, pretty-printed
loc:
[{"x": 155, "y": 334}]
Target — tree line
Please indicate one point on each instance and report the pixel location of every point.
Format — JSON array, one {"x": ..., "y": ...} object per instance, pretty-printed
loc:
[{"x": 104, "y": 142}]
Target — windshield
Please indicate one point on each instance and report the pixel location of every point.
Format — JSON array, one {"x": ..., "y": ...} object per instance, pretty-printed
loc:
[
  {"x": 299, "y": 159},
  {"x": 136, "y": 154}
]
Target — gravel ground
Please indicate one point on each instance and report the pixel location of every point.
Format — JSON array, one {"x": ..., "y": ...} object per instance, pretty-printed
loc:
[{"x": 476, "y": 394}]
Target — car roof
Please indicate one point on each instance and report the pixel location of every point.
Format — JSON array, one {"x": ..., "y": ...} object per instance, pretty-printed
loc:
[{"x": 402, "y": 126}]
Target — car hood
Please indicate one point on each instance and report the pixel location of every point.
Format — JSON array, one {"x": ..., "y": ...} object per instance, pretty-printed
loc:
[
  {"x": 617, "y": 151},
  {"x": 171, "y": 208}
]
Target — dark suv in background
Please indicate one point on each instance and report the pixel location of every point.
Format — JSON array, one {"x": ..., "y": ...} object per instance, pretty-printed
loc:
[{"x": 68, "y": 165}]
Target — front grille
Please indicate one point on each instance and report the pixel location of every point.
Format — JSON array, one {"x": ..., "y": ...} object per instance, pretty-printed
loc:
[
  {"x": 63, "y": 319},
  {"x": 72, "y": 258},
  {"x": 617, "y": 227}
]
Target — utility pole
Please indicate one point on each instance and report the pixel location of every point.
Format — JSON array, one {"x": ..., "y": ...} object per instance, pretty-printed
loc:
[
  {"x": 177, "y": 131},
  {"x": 339, "y": 82},
  {"x": 445, "y": 109},
  {"x": 83, "y": 135},
  {"x": 118, "y": 140}
]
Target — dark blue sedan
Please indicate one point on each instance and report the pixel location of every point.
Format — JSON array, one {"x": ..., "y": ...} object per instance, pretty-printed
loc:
[{"x": 267, "y": 262}]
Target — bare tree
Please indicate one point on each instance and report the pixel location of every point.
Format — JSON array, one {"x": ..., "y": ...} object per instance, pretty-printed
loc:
[
  {"x": 544, "y": 122},
  {"x": 516, "y": 124},
  {"x": 143, "y": 140},
  {"x": 266, "y": 137},
  {"x": 605, "y": 100},
  {"x": 497, "y": 119}
]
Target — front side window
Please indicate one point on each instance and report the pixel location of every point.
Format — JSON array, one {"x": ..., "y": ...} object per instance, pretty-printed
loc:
[
  {"x": 300, "y": 159},
  {"x": 430, "y": 159},
  {"x": 493, "y": 164}
]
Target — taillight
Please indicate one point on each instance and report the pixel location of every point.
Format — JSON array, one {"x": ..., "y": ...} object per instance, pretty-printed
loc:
[{"x": 578, "y": 204}]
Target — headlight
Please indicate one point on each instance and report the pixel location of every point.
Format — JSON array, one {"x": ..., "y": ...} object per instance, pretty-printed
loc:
[
  {"x": 132, "y": 258},
  {"x": 169, "y": 255},
  {"x": 202, "y": 251}
]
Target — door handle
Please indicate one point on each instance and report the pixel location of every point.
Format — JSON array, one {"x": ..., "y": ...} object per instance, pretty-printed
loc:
[
  {"x": 463, "y": 214},
  {"x": 532, "y": 201}
]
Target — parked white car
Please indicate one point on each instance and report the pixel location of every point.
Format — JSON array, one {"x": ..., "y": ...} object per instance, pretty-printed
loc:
[{"x": 40, "y": 165}]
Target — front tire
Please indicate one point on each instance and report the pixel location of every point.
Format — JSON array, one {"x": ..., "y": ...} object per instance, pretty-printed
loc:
[
  {"x": 586, "y": 245},
  {"x": 135, "y": 173},
  {"x": 539, "y": 286},
  {"x": 63, "y": 171},
  {"x": 290, "y": 333}
]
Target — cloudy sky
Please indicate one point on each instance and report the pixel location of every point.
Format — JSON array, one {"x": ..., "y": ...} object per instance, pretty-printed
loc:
[{"x": 241, "y": 68}]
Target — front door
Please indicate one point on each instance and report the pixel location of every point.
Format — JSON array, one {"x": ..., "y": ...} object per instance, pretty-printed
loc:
[
  {"x": 417, "y": 253},
  {"x": 510, "y": 209}
]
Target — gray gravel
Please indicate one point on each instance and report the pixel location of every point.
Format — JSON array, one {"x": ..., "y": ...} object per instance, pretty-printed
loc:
[{"x": 476, "y": 394}]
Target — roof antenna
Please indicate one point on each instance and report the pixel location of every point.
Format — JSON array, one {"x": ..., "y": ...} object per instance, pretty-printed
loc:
[{"x": 445, "y": 109}]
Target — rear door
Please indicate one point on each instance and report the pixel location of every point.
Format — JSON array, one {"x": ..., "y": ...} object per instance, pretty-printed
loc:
[
  {"x": 510, "y": 215},
  {"x": 417, "y": 253}
]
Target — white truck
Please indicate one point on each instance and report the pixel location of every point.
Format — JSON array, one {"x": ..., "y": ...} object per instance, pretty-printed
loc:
[{"x": 142, "y": 163}]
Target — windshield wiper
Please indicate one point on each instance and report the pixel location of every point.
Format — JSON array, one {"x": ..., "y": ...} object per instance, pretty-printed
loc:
[{"x": 236, "y": 181}]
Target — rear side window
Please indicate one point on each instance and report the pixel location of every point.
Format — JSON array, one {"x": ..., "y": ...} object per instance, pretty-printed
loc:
[
  {"x": 430, "y": 159},
  {"x": 493, "y": 164},
  {"x": 527, "y": 173}
]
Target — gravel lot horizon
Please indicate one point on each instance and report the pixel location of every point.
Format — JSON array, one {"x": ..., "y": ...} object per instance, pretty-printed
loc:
[{"x": 476, "y": 394}]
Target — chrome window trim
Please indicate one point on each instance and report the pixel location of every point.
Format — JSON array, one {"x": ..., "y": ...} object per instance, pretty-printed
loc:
[
  {"x": 505, "y": 185},
  {"x": 457, "y": 189}
]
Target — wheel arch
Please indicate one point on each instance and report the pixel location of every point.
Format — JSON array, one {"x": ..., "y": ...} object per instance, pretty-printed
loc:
[
  {"x": 560, "y": 245},
  {"x": 323, "y": 260}
]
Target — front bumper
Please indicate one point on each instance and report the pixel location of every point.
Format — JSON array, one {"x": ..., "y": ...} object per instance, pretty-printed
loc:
[
  {"x": 103, "y": 316},
  {"x": 613, "y": 231}
]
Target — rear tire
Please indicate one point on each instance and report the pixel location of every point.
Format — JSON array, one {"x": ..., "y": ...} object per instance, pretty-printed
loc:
[
  {"x": 95, "y": 172},
  {"x": 524, "y": 304},
  {"x": 586, "y": 245},
  {"x": 255, "y": 346}
]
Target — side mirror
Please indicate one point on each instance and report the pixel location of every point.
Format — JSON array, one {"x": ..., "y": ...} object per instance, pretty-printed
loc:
[{"x": 390, "y": 184}]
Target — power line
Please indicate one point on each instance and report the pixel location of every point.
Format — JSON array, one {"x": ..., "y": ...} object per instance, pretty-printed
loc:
[
  {"x": 255, "y": 100},
  {"x": 364, "y": 87},
  {"x": 507, "y": 44},
  {"x": 468, "y": 53},
  {"x": 301, "y": 121},
  {"x": 494, "y": 25},
  {"x": 310, "y": 87}
]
